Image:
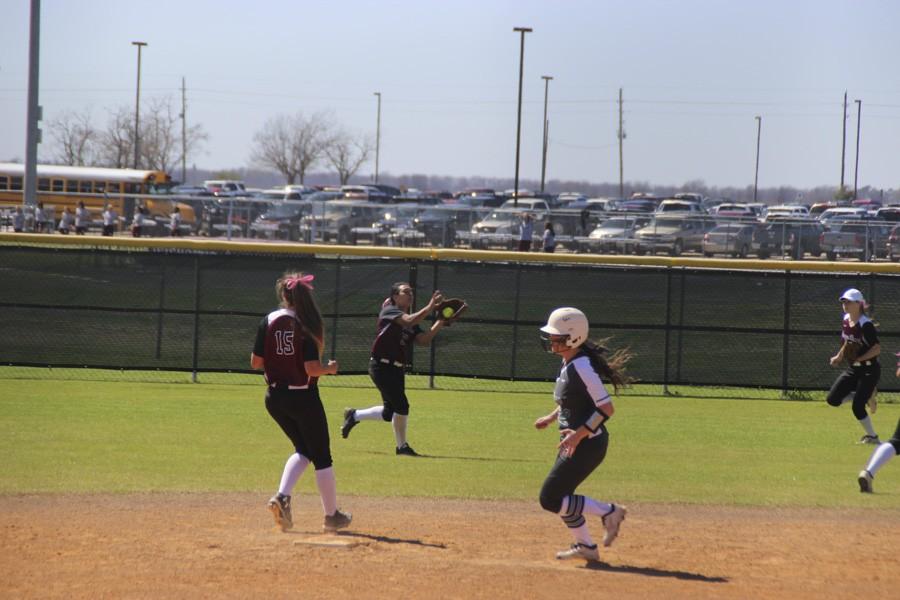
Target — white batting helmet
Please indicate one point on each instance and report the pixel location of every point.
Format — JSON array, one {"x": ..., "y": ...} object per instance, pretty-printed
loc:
[{"x": 569, "y": 322}]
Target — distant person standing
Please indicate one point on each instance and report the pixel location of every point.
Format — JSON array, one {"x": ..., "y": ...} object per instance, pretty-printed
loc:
[
  {"x": 65, "y": 221},
  {"x": 109, "y": 220},
  {"x": 549, "y": 237},
  {"x": 288, "y": 348},
  {"x": 175, "y": 222},
  {"x": 82, "y": 218},
  {"x": 881, "y": 455},
  {"x": 526, "y": 233},
  {"x": 40, "y": 219},
  {"x": 137, "y": 221},
  {"x": 18, "y": 220}
]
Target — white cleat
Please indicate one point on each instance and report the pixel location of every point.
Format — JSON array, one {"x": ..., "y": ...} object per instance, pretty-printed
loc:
[
  {"x": 865, "y": 482},
  {"x": 579, "y": 551},
  {"x": 612, "y": 522}
]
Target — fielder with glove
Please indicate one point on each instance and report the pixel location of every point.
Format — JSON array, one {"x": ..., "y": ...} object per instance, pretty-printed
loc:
[{"x": 451, "y": 309}]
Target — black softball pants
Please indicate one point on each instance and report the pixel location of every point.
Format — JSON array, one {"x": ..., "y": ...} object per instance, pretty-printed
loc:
[
  {"x": 568, "y": 472},
  {"x": 301, "y": 416},
  {"x": 862, "y": 380},
  {"x": 391, "y": 382}
]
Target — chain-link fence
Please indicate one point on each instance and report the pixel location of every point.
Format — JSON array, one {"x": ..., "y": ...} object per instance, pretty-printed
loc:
[{"x": 138, "y": 312}]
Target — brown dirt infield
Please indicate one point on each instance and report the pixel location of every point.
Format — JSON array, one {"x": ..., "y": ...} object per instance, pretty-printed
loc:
[{"x": 225, "y": 545}]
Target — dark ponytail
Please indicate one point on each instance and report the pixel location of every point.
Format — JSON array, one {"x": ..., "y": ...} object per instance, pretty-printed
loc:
[
  {"x": 610, "y": 369},
  {"x": 309, "y": 318}
]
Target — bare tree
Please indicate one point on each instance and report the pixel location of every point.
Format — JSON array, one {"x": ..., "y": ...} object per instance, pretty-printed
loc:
[
  {"x": 347, "y": 153},
  {"x": 161, "y": 146},
  {"x": 74, "y": 138},
  {"x": 291, "y": 144},
  {"x": 116, "y": 143}
]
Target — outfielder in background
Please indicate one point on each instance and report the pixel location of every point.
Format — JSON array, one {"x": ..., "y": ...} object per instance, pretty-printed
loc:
[
  {"x": 398, "y": 328},
  {"x": 583, "y": 408},
  {"x": 859, "y": 349},
  {"x": 288, "y": 348},
  {"x": 881, "y": 455}
]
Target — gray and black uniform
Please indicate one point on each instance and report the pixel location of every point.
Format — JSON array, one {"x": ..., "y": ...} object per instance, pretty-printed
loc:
[
  {"x": 391, "y": 352},
  {"x": 579, "y": 393}
]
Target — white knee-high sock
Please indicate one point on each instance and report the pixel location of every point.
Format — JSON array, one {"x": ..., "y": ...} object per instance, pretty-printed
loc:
[
  {"x": 399, "y": 423},
  {"x": 293, "y": 469},
  {"x": 327, "y": 485},
  {"x": 595, "y": 507},
  {"x": 370, "y": 414},
  {"x": 867, "y": 425},
  {"x": 880, "y": 457}
]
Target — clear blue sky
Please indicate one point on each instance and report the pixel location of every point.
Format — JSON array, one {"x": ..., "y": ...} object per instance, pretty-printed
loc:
[{"x": 695, "y": 74}]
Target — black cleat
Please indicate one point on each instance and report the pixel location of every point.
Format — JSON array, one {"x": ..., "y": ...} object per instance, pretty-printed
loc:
[
  {"x": 406, "y": 450},
  {"x": 349, "y": 422}
]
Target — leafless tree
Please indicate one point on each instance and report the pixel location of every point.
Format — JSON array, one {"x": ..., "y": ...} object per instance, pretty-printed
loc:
[
  {"x": 161, "y": 146},
  {"x": 116, "y": 143},
  {"x": 74, "y": 138},
  {"x": 291, "y": 144},
  {"x": 347, "y": 153}
]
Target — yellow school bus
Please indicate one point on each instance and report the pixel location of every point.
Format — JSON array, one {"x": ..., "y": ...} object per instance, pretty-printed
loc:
[{"x": 61, "y": 187}]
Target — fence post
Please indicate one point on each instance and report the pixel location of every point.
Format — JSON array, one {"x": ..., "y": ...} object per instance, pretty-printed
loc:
[
  {"x": 196, "y": 353},
  {"x": 162, "y": 296},
  {"x": 433, "y": 357},
  {"x": 668, "y": 330},
  {"x": 337, "y": 303},
  {"x": 680, "y": 326},
  {"x": 785, "y": 345},
  {"x": 515, "y": 340}
]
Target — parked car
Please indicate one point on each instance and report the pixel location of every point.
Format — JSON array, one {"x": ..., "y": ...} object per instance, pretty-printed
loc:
[
  {"x": 888, "y": 213},
  {"x": 842, "y": 213},
  {"x": 865, "y": 240},
  {"x": 673, "y": 234},
  {"x": 281, "y": 220},
  {"x": 226, "y": 187},
  {"x": 795, "y": 237},
  {"x": 616, "y": 234},
  {"x": 787, "y": 210},
  {"x": 536, "y": 206},
  {"x": 738, "y": 240},
  {"x": 670, "y": 205},
  {"x": 447, "y": 225},
  {"x": 339, "y": 219},
  {"x": 365, "y": 192},
  {"x": 636, "y": 206},
  {"x": 730, "y": 210}
]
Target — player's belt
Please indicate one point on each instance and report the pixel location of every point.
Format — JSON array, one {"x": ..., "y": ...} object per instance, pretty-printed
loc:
[
  {"x": 864, "y": 363},
  {"x": 388, "y": 362},
  {"x": 281, "y": 386}
]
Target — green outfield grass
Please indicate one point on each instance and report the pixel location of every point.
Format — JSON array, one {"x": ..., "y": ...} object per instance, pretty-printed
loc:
[{"x": 98, "y": 436}]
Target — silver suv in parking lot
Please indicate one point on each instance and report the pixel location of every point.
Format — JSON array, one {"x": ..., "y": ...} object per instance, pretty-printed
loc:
[
  {"x": 339, "y": 219},
  {"x": 673, "y": 234}
]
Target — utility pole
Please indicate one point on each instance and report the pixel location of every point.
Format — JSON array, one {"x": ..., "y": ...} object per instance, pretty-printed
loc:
[
  {"x": 758, "y": 136},
  {"x": 137, "y": 106},
  {"x": 377, "y": 136},
  {"x": 32, "y": 129},
  {"x": 621, "y": 151},
  {"x": 546, "y": 79},
  {"x": 522, "y": 31},
  {"x": 844, "y": 141},
  {"x": 856, "y": 168},
  {"x": 183, "y": 116}
]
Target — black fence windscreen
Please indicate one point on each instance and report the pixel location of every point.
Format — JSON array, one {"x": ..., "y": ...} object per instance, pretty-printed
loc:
[{"x": 198, "y": 312}]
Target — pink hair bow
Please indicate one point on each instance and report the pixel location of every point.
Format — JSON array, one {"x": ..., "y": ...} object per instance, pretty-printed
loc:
[{"x": 304, "y": 280}]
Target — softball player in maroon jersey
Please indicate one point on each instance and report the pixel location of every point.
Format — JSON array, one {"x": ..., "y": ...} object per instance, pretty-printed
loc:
[
  {"x": 881, "y": 455},
  {"x": 861, "y": 377},
  {"x": 391, "y": 351},
  {"x": 288, "y": 348},
  {"x": 583, "y": 408}
]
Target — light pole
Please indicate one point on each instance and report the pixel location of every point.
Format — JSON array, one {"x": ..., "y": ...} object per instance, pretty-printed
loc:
[
  {"x": 377, "y": 135},
  {"x": 758, "y": 136},
  {"x": 522, "y": 31},
  {"x": 546, "y": 79},
  {"x": 856, "y": 168},
  {"x": 137, "y": 106}
]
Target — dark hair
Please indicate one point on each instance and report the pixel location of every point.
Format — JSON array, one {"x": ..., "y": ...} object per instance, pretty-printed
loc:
[
  {"x": 610, "y": 369},
  {"x": 300, "y": 298},
  {"x": 395, "y": 289}
]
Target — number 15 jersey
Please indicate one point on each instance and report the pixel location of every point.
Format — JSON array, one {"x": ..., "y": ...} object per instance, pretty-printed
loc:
[{"x": 285, "y": 350}]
